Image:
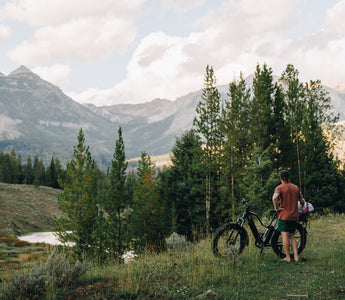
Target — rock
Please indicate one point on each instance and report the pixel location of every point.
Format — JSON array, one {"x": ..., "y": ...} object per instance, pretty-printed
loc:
[{"x": 209, "y": 294}]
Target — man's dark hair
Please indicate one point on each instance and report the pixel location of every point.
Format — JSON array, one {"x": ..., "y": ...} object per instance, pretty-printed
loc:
[{"x": 284, "y": 175}]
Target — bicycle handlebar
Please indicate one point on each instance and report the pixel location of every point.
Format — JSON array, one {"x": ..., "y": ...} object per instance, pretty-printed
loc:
[{"x": 253, "y": 206}]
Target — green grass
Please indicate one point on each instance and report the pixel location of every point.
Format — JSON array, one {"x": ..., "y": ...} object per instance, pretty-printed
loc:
[{"x": 191, "y": 272}]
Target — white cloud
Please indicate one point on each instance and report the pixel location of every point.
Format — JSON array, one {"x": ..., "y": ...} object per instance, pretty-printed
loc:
[
  {"x": 181, "y": 6},
  {"x": 153, "y": 72},
  {"x": 57, "y": 12},
  {"x": 169, "y": 66},
  {"x": 83, "y": 30},
  {"x": 81, "y": 39},
  {"x": 320, "y": 55},
  {"x": 57, "y": 74},
  {"x": 4, "y": 32}
]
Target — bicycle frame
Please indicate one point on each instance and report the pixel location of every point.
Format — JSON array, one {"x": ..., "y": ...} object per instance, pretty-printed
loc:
[{"x": 261, "y": 239}]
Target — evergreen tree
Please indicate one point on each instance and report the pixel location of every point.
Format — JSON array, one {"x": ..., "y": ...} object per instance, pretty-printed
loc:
[
  {"x": 2, "y": 177},
  {"x": 283, "y": 146},
  {"x": 259, "y": 178},
  {"x": 116, "y": 200},
  {"x": 182, "y": 186},
  {"x": 51, "y": 174},
  {"x": 8, "y": 173},
  {"x": 294, "y": 98},
  {"x": 78, "y": 201},
  {"x": 261, "y": 121},
  {"x": 148, "y": 217},
  {"x": 235, "y": 127},
  {"x": 15, "y": 167},
  {"x": 39, "y": 172},
  {"x": 20, "y": 169},
  {"x": 28, "y": 171},
  {"x": 207, "y": 126},
  {"x": 320, "y": 178}
]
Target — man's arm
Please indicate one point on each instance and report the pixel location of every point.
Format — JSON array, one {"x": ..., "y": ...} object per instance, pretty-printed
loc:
[{"x": 276, "y": 202}]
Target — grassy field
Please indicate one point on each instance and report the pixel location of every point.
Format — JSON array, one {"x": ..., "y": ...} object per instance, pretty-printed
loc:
[
  {"x": 25, "y": 208},
  {"x": 193, "y": 272}
]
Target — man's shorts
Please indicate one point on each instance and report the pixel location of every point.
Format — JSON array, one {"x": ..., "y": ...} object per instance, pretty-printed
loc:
[{"x": 287, "y": 226}]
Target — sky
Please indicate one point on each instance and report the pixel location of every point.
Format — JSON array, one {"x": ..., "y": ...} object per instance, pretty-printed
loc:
[{"x": 109, "y": 52}]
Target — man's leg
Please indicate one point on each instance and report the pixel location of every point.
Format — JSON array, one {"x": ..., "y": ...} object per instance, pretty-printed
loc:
[
  {"x": 293, "y": 243},
  {"x": 286, "y": 245}
]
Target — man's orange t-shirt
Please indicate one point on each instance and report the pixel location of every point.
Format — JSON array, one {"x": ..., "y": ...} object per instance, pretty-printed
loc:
[{"x": 289, "y": 196}]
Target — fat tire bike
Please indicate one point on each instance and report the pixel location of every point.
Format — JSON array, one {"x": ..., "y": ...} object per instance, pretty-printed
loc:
[{"x": 230, "y": 239}]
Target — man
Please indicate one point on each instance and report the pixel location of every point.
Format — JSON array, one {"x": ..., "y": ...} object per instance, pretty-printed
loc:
[{"x": 288, "y": 215}]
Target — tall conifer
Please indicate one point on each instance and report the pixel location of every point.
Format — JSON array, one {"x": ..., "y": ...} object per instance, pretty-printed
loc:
[
  {"x": 207, "y": 126},
  {"x": 77, "y": 201},
  {"x": 117, "y": 198}
]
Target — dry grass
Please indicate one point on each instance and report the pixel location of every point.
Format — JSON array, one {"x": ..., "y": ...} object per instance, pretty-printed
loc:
[{"x": 25, "y": 208}]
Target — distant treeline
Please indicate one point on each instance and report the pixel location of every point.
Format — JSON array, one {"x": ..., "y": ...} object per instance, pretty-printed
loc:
[{"x": 13, "y": 170}]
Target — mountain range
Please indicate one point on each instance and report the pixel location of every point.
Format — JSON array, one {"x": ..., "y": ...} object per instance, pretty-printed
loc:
[{"x": 38, "y": 119}]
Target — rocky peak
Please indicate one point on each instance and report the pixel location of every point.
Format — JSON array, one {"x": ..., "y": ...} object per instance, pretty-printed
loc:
[{"x": 20, "y": 71}]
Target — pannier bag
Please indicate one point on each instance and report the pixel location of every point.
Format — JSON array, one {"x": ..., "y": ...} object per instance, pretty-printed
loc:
[{"x": 304, "y": 210}]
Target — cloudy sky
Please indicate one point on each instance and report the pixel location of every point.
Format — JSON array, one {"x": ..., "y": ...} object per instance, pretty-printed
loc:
[{"x": 130, "y": 51}]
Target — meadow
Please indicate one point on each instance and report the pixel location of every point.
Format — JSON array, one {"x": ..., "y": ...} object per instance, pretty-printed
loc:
[{"x": 194, "y": 273}]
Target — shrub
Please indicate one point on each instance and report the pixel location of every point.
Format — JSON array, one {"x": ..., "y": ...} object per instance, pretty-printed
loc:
[
  {"x": 176, "y": 241},
  {"x": 32, "y": 284},
  {"x": 27, "y": 285}
]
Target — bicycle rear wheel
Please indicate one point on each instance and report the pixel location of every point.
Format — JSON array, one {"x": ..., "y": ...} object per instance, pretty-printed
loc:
[
  {"x": 277, "y": 241},
  {"x": 229, "y": 239}
]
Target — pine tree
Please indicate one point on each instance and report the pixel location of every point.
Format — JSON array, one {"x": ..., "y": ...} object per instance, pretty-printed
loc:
[
  {"x": 148, "y": 217},
  {"x": 283, "y": 146},
  {"x": 207, "y": 126},
  {"x": 116, "y": 200},
  {"x": 261, "y": 121},
  {"x": 320, "y": 177},
  {"x": 78, "y": 201},
  {"x": 294, "y": 98},
  {"x": 28, "y": 171},
  {"x": 182, "y": 187},
  {"x": 235, "y": 127},
  {"x": 39, "y": 172},
  {"x": 259, "y": 178}
]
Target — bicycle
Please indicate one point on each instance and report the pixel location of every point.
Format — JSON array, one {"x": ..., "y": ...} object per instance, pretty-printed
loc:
[{"x": 231, "y": 238}]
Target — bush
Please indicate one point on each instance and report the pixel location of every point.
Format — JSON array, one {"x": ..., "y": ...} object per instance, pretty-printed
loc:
[
  {"x": 176, "y": 241},
  {"x": 32, "y": 284},
  {"x": 27, "y": 285}
]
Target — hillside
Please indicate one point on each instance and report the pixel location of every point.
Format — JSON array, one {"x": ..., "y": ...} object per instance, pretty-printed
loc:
[
  {"x": 37, "y": 118},
  {"x": 26, "y": 208}
]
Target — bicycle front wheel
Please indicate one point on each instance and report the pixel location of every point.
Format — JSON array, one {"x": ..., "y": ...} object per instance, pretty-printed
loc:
[
  {"x": 277, "y": 241},
  {"x": 229, "y": 239}
]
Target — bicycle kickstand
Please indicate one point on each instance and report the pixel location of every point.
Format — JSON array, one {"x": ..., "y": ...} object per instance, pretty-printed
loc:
[{"x": 262, "y": 252}]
